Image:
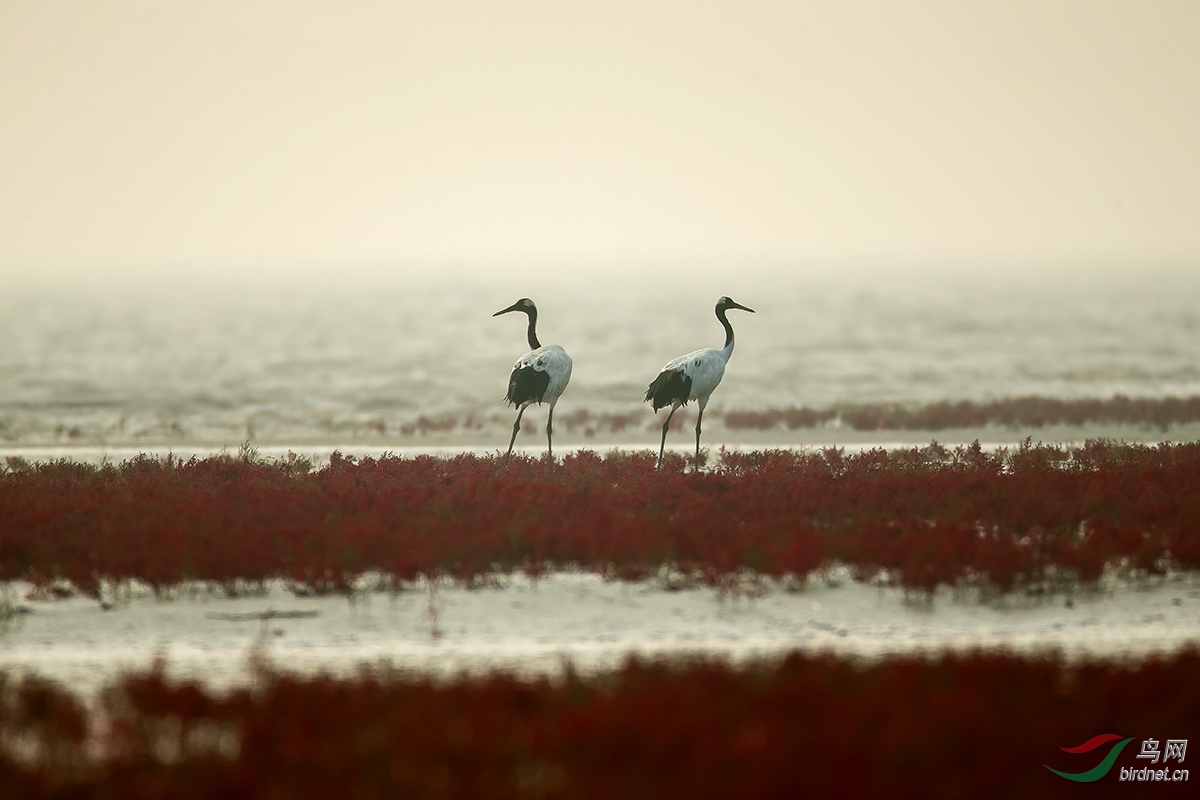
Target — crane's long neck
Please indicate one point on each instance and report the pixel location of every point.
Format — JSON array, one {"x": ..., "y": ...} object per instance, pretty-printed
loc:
[
  {"x": 726, "y": 351},
  {"x": 534, "y": 344}
]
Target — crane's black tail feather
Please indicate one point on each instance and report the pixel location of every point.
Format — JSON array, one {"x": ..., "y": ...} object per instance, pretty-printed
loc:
[
  {"x": 669, "y": 386},
  {"x": 527, "y": 384}
]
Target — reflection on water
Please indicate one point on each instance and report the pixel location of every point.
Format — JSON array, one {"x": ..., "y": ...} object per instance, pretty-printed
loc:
[{"x": 130, "y": 365}]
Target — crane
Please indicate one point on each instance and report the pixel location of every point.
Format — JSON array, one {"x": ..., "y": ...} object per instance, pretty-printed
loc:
[
  {"x": 692, "y": 377},
  {"x": 539, "y": 376}
]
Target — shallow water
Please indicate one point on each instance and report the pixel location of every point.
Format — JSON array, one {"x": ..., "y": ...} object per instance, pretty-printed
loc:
[
  {"x": 535, "y": 627},
  {"x": 217, "y": 364}
]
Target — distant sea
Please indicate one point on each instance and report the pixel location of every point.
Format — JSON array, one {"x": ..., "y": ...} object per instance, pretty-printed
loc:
[{"x": 211, "y": 364}]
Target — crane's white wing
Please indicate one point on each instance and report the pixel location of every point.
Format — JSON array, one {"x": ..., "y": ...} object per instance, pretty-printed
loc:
[
  {"x": 554, "y": 362},
  {"x": 704, "y": 368}
]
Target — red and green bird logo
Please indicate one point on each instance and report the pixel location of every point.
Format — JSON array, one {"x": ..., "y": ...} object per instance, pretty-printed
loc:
[{"x": 1100, "y": 770}]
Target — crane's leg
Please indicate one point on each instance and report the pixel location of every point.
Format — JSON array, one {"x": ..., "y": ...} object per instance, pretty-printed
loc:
[
  {"x": 667, "y": 424},
  {"x": 699, "y": 417},
  {"x": 516, "y": 427},
  {"x": 549, "y": 440}
]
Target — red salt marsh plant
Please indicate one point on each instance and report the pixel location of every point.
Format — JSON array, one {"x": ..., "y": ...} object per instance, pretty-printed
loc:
[
  {"x": 983, "y": 724},
  {"x": 928, "y": 516}
]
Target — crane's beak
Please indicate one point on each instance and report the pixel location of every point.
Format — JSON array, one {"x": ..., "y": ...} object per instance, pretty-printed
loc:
[
  {"x": 513, "y": 307},
  {"x": 733, "y": 304}
]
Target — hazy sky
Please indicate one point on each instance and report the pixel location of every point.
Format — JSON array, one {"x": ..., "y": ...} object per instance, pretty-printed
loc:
[{"x": 185, "y": 135}]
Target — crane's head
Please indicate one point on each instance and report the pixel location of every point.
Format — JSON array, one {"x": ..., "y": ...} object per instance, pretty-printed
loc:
[
  {"x": 728, "y": 302},
  {"x": 524, "y": 304}
]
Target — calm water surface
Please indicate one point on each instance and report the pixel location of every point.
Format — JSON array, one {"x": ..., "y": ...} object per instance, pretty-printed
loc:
[{"x": 212, "y": 364}]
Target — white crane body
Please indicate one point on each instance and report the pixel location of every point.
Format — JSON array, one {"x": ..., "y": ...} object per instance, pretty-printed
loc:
[
  {"x": 693, "y": 377},
  {"x": 539, "y": 376}
]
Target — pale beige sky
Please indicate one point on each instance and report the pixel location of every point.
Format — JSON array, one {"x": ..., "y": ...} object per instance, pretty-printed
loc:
[{"x": 178, "y": 135}]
